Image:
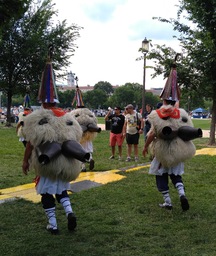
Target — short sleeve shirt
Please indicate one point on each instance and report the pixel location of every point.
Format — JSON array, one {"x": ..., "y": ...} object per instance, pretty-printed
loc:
[
  {"x": 117, "y": 123},
  {"x": 131, "y": 120}
]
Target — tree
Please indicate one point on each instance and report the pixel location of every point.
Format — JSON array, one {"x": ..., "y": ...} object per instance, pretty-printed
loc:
[
  {"x": 24, "y": 48},
  {"x": 104, "y": 86},
  {"x": 96, "y": 98},
  {"x": 10, "y": 9},
  {"x": 131, "y": 93},
  {"x": 196, "y": 70},
  {"x": 122, "y": 96},
  {"x": 66, "y": 98}
]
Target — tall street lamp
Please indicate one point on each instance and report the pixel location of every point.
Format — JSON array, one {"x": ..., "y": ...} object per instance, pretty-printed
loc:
[{"x": 145, "y": 49}]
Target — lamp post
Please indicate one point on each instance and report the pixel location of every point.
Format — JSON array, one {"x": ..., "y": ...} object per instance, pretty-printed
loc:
[{"x": 145, "y": 49}]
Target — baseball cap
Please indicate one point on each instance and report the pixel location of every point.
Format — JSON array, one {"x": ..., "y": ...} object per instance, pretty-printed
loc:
[{"x": 129, "y": 106}]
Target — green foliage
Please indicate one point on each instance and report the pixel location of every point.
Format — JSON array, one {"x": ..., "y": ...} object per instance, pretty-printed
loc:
[
  {"x": 196, "y": 67},
  {"x": 104, "y": 86},
  {"x": 66, "y": 98},
  {"x": 24, "y": 48},
  {"x": 131, "y": 93},
  {"x": 10, "y": 9},
  {"x": 122, "y": 96},
  {"x": 96, "y": 98}
]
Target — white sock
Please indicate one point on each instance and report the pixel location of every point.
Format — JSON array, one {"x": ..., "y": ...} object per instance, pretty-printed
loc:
[
  {"x": 67, "y": 205},
  {"x": 180, "y": 188},
  {"x": 50, "y": 213},
  {"x": 166, "y": 197}
]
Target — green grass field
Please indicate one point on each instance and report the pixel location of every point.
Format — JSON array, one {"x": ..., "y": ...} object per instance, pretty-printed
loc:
[
  {"x": 118, "y": 219},
  {"x": 202, "y": 123}
]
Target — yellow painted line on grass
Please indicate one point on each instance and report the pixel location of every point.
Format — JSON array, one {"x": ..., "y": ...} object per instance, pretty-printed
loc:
[
  {"x": 17, "y": 188},
  {"x": 137, "y": 168},
  {"x": 27, "y": 191},
  {"x": 206, "y": 151},
  {"x": 100, "y": 177}
]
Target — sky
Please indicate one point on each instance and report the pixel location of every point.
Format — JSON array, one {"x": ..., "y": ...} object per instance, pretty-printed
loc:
[{"x": 113, "y": 31}]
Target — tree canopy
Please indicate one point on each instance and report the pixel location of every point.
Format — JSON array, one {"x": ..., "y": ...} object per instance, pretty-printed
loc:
[
  {"x": 24, "y": 48},
  {"x": 197, "y": 37},
  {"x": 10, "y": 9},
  {"x": 104, "y": 86}
]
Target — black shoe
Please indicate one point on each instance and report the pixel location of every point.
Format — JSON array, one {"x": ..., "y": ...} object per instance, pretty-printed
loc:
[
  {"x": 91, "y": 164},
  {"x": 184, "y": 203},
  {"x": 52, "y": 230},
  {"x": 71, "y": 221}
]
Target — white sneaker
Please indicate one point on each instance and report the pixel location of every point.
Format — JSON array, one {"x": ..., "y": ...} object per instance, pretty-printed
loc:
[
  {"x": 166, "y": 206},
  {"x": 53, "y": 230},
  {"x": 112, "y": 157},
  {"x": 119, "y": 158},
  {"x": 128, "y": 159},
  {"x": 136, "y": 159}
]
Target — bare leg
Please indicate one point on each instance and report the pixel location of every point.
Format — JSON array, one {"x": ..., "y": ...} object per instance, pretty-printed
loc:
[
  {"x": 129, "y": 149},
  {"x": 120, "y": 150},
  {"x": 113, "y": 150},
  {"x": 136, "y": 150}
]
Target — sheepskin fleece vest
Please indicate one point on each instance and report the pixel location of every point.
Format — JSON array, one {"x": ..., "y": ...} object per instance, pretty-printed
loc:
[
  {"x": 171, "y": 152},
  {"x": 42, "y": 126},
  {"x": 84, "y": 117}
]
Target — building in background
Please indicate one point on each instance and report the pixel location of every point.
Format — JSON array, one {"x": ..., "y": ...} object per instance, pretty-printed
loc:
[{"x": 72, "y": 81}]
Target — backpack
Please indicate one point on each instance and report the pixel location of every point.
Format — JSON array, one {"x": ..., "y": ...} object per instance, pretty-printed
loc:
[{"x": 138, "y": 122}]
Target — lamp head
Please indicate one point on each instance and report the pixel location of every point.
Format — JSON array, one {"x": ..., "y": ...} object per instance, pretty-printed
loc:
[{"x": 145, "y": 45}]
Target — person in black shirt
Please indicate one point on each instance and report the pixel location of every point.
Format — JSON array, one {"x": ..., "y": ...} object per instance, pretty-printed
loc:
[{"x": 116, "y": 137}]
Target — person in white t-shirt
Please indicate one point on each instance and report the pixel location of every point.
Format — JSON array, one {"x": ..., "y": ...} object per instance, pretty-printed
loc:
[{"x": 132, "y": 129}]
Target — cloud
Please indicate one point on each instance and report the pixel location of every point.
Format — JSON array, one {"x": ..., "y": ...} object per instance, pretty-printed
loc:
[
  {"x": 101, "y": 11},
  {"x": 155, "y": 30},
  {"x": 112, "y": 35}
]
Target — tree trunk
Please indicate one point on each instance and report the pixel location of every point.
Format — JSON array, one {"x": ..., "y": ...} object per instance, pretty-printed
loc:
[
  {"x": 9, "y": 102},
  {"x": 213, "y": 122}
]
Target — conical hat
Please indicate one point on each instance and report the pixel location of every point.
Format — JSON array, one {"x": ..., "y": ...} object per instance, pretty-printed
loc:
[
  {"x": 47, "y": 91},
  {"x": 171, "y": 90},
  {"x": 78, "y": 98}
]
